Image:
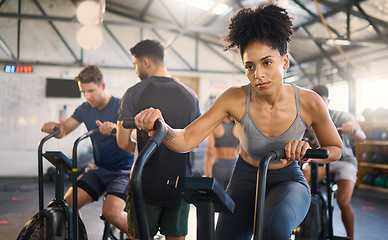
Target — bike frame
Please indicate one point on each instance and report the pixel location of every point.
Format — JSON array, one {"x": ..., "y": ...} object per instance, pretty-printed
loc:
[{"x": 137, "y": 172}]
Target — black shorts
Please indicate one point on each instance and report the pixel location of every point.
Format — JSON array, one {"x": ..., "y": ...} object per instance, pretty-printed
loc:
[{"x": 97, "y": 181}]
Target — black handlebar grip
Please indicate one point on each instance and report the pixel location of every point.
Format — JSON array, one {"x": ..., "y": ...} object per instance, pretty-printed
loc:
[
  {"x": 56, "y": 131},
  {"x": 317, "y": 153},
  {"x": 310, "y": 153},
  {"x": 129, "y": 123},
  {"x": 93, "y": 132},
  {"x": 114, "y": 130},
  {"x": 160, "y": 131}
]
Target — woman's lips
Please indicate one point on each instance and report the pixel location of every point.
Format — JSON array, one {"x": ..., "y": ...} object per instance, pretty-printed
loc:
[{"x": 262, "y": 85}]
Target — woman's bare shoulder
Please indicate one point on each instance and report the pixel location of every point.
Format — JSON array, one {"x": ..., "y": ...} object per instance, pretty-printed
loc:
[
  {"x": 309, "y": 97},
  {"x": 312, "y": 106},
  {"x": 232, "y": 101}
]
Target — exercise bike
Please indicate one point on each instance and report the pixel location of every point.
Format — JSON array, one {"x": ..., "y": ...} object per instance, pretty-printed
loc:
[
  {"x": 58, "y": 220},
  {"x": 137, "y": 172},
  {"x": 205, "y": 193},
  {"x": 318, "y": 223},
  {"x": 209, "y": 197}
]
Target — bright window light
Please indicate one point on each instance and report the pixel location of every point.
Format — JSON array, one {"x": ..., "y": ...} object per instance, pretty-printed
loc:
[
  {"x": 220, "y": 9},
  {"x": 206, "y": 5},
  {"x": 339, "y": 96},
  {"x": 373, "y": 93}
]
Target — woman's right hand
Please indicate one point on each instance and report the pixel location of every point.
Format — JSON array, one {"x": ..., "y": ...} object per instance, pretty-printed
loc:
[{"x": 145, "y": 120}]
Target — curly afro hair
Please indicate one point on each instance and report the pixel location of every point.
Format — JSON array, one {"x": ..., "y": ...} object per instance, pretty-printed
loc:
[{"x": 267, "y": 23}]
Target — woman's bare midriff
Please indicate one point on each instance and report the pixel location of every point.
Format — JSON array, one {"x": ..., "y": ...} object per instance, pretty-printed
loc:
[{"x": 226, "y": 153}]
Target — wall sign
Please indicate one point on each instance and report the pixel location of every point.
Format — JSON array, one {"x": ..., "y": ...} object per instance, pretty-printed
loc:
[{"x": 17, "y": 68}]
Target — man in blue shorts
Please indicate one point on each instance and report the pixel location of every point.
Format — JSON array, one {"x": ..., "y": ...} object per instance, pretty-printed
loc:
[
  {"x": 345, "y": 169},
  {"x": 166, "y": 210},
  {"x": 111, "y": 170}
]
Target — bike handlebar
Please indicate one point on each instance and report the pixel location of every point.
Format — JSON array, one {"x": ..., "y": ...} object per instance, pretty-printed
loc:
[
  {"x": 56, "y": 131},
  {"x": 75, "y": 174},
  {"x": 310, "y": 153},
  {"x": 137, "y": 171},
  {"x": 262, "y": 181}
]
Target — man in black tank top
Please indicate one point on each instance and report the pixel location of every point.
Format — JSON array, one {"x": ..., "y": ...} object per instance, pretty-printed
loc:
[{"x": 166, "y": 210}]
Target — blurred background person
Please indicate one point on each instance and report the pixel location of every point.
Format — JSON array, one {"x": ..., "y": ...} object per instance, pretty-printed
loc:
[{"x": 222, "y": 152}]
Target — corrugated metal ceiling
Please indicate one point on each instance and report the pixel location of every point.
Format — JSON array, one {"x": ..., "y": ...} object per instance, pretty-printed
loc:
[{"x": 361, "y": 25}]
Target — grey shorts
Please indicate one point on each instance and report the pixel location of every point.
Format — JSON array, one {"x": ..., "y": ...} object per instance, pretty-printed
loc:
[
  {"x": 343, "y": 171},
  {"x": 97, "y": 181}
]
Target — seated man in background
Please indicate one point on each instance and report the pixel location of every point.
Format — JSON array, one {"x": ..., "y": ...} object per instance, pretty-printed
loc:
[
  {"x": 345, "y": 169},
  {"x": 111, "y": 170}
]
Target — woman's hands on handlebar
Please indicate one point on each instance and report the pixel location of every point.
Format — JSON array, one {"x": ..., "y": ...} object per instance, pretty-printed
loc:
[
  {"x": 145, "y": 120},
  {"x": 295, "y": 150}
]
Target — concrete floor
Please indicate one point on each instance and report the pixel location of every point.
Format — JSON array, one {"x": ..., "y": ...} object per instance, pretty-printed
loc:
[{"x": 19, "y": 202}]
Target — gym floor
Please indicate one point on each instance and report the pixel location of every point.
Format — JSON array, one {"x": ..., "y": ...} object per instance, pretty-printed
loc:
[{"x": 19, "y": 202}]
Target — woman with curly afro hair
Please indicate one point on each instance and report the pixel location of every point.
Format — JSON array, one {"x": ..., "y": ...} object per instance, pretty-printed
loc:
[{"x": 270, "y": 115}]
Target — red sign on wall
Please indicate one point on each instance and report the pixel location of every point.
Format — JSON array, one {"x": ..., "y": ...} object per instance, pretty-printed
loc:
[{"x": 17, "y": 69}]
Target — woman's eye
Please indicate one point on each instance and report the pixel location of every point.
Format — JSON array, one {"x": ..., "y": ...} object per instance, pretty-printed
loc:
[
  {"x": 249, "y": 67},
  {"x": 267, "y": 63}
]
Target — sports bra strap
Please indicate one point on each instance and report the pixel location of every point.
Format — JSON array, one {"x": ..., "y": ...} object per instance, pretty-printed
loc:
[
  {"x": 296, "y": 99},
  {"x": 248, "y": 98}
]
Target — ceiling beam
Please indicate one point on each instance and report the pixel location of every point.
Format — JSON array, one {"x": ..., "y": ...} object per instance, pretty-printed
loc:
[
  {"x": 336, "y": 8},
  {"x": 174, "y": 51},
  {"x": 170, "y": 14},
  {"x": 125, "y": 51},
  {"x": 56, "y": 31},
  {"x": 294, "y": 62},
  {"x": 145, "y": 9},
  {"x": 368, "y": 18},
  {"x": 223, "y": 57},
  {"x": 301, "y": 5},
  {"x": 341, "y": 72}
]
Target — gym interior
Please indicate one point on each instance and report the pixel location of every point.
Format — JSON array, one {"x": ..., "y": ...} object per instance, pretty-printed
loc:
[{"x": 44, "y": 44}]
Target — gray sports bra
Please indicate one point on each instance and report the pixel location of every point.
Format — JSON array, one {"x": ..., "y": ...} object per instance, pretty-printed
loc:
[
  {"x": 227, "y": 140},
  {"x": 255, "y": 143}
]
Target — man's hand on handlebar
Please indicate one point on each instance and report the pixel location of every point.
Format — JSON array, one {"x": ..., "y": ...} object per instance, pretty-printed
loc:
[
  {"x": 348, "y": 128},
  {"x": 145, "y": 120},
  {"x": 295, "y": 150},
  {"x": 106, "y": 128},
  {"x": 48, "y": 127}
]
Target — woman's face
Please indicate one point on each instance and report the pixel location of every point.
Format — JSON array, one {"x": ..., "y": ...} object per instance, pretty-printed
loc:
[{"x": 264, "y": 66}]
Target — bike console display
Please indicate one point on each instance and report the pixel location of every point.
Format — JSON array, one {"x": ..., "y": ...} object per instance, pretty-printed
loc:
[
  {"x": 55, "y": 156},
  {"x": 203, "y": 189}
]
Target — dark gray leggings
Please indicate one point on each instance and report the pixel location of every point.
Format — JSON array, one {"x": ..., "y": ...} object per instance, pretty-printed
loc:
[{"x": 286, "y": 204}]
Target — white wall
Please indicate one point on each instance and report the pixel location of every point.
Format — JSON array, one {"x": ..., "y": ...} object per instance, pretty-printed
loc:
[{"x": 24, "y": 108}]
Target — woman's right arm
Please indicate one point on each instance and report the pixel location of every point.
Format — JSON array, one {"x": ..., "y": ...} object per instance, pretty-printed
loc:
[
  {"x": 209, "y": 156},
  {"x": 184, "y": 140},
  {"x": 180, "y": 140}
]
